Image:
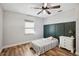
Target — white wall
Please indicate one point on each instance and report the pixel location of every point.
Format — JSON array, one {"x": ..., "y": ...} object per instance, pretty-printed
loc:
[
  {"x": 66, "y": 16},
  {"x": 14, "y": 28},
  {"x": 77, "y": 30},
  {"x": 1, "y": 26}
]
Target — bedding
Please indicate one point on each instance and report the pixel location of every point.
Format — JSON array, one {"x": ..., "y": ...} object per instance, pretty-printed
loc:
[{"x": 43, "y": 45}]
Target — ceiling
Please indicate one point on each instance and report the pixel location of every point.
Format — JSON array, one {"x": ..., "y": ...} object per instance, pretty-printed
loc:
[{"x": 28, "y": 8}]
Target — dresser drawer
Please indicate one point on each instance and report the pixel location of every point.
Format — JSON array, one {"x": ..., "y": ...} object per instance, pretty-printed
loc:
[
  {"x": 69, "y": 47},
  {"x": 69, "y": 40}
]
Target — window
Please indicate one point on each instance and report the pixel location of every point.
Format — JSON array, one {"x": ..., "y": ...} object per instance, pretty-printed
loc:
[{"x": 29, "y": 27}]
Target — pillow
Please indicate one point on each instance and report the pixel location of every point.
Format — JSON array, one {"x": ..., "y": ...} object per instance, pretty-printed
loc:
[{"x": 50, "y": 38}]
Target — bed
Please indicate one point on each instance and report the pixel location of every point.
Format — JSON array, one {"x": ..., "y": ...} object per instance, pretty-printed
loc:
[{"x": 42, "y": 45}]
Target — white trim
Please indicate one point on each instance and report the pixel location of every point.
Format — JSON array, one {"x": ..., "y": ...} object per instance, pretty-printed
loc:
[{"x": 77, "y": 53}]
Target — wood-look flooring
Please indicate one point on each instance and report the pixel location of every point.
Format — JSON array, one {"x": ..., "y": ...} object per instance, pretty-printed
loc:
[{"x": 25, "y": 50}]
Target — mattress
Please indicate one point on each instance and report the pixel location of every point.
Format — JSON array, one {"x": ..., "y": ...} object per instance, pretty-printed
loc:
[{"x": 43, "y": 45}]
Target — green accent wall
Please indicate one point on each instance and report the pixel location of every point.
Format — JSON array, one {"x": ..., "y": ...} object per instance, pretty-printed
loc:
[{"x": 60, "y": 29}]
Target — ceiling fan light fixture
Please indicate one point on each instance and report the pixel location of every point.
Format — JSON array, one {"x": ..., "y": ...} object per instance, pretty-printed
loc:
[{"x": 44, "y": 12}]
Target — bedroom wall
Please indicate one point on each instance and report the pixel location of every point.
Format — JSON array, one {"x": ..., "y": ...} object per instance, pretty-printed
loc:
[
  {"x": 77, "y": 30},
  {"x": 14, "y": 28},
  {"x": 1, "y": 26},
  {"x": 61, "y": 17}
]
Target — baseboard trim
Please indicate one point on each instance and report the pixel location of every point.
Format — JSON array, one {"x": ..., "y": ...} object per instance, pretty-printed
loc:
[{"x": 77, "y": 53}]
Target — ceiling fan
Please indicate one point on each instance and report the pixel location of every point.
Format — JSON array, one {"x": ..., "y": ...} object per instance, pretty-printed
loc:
[{"x": 46, "y": 8}]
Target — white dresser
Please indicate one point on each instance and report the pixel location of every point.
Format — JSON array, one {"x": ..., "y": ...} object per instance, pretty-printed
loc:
[{"x": 66, "y": 42}]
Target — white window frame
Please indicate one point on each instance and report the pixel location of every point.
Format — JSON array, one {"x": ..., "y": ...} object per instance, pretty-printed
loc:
[{"x": 29, "y": 27}]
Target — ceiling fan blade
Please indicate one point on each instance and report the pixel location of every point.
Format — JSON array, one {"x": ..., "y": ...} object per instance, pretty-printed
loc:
[
  {"x": 54, "y": 7},
  {"x": 60, "y": 10},
  {"x": 39, "y": 12},
  {"x": 37, "y": 8},
  {"x": 48, "y": 12}
]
